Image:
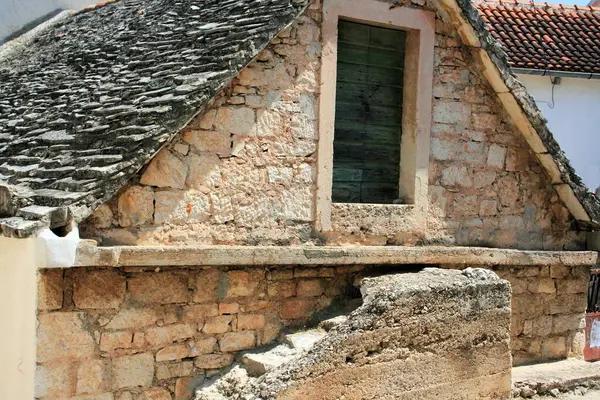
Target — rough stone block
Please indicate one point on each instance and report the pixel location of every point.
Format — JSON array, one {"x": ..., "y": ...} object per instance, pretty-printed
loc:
[
  {"x": 102, "y": 218},
  {"x": 543, "y": 285},
  {"x": 451, "y": 112},
  {"x": 296, "y": 308},
  {"x": 236, "y": 120},
  {"x": 488, "y": 208},
  {"x": 207, "y": 120},
  {"x": 235, "y": 341},
  {"x": 250, "y": 321},
  {"x": 310, "y": 287},
  {"x": 496, "y": 156},
  {"x": 559, "y": 271},
  {"x": 229, "y": 308},
  {"x": 568, "y": 323},
  {"x": 220, "y": 324},
  {"x": 207, "y": 285},
  {"x": 159, "y": 288},
  {"x": 174, "y": 352},
  {"x": 93, "y": 376},
  {"x": 554, "y": 347},
  {"x": 542, "y": 326},
  {"x": 280, "y": 274},
  {"x": 184, "y": 387},
  {"x": 181, "y": 207},
  {"x": 455, "y": 176},
  {"x": 161, "y": 336},
  {"x": 133, "y": 318},
  {"x": 240, "y": 284},
  {"x": 209, "y": 141},
  {"x": 281, "y": 288},
  {"x": 204, "y": 171},
  {"x": 156, "y": 394},
  {"x": 199, "y": 312},
  {"x": 136, "y": 206},
  {"x": 132, "y": 371},
  {"x": 55, "y": 380},
  {"x": 165, "y": 170},
  {"x": 98, "y": 289},
  {"x": 571, "y": 286},
  {"x": 213, "y": 361},
  {"x": 168, "y": 371},
  {"x": 202, "y": 346},
  {"x": 110, "y": 341},
  {"x": 50, "y": 289},
  {"x": 63, "y": 335}
]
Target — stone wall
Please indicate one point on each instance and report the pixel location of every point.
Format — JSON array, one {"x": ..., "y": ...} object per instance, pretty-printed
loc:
[
  {"x": 548, "y": 312},
  {"x": 140, "y": 334},
  {"x": 244, "y": 171},
  {"x": 119, "y": 332}
]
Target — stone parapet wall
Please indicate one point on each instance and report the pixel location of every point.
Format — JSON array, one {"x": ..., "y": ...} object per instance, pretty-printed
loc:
[
  {"x": 146, "y": 333},
  {"x": 548, "y": 310}
]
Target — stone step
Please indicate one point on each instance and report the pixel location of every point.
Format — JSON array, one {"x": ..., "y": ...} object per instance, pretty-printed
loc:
[
  {"x": 258, "y": 363},
  {"x": 554, "y": 377},
  {"x": 331, "y": 323},
  {"x": 304, "y": 340}
]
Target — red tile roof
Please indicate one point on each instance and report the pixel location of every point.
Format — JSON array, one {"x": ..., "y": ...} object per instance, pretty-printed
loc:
[{"x": 546, "y": 36}]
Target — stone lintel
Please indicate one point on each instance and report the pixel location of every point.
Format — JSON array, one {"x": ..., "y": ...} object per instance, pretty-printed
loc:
[{"x": 165, "y": 256}]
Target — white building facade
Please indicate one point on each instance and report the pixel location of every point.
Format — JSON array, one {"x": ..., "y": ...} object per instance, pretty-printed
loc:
[{"x": 572, "y": 108}]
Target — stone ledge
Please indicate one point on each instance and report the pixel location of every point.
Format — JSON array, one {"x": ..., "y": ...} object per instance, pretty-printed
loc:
[
  {"x": 163, "y": 256},
  {"x": 563, "y": 375}
]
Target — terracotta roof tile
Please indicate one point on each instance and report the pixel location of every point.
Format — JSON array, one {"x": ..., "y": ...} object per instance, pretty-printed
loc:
[{"x": 546, "y": 36}]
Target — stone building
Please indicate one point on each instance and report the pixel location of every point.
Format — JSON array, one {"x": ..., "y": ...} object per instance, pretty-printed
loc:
[{"x": 232, "y": 166}]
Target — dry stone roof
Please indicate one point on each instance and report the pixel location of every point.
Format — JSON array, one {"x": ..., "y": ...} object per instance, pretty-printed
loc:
[{"x": 89, "y": 99}]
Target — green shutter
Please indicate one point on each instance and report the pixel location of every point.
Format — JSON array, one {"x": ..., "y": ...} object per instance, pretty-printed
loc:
[{"x": 368, "y": 114}]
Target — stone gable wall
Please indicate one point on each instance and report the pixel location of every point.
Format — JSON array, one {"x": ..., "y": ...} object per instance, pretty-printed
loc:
[{"x": 244, "y": 171}]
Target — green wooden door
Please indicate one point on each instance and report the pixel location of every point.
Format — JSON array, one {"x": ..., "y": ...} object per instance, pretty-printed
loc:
[{"x": 368, "y": 114}]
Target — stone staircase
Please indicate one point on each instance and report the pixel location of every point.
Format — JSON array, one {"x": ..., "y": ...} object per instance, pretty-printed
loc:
[
  {"x": 256, "y": 363},
  {"x": 447, "y": 331}
]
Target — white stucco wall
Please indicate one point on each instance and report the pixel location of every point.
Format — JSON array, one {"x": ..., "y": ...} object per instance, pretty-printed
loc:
[
  {"x": 16, "y": 13},
  {"x": 574, "y": 120},
  {"x": 19, "y": 263}
]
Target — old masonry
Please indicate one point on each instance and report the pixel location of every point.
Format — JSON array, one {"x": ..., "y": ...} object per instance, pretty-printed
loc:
[{"x": 184, "y": 182}]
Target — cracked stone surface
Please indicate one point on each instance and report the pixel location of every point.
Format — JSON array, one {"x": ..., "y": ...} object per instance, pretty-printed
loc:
[{"x": 92, "y": 97}]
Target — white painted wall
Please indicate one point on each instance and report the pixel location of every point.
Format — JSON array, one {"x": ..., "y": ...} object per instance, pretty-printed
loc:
[
  {"x": 574, "y": 120},
  {"x": 19, "y": 263},
  {"x": 16, "y": 13}
]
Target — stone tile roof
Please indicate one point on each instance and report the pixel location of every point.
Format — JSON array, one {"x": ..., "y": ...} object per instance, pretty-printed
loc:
[
  {"x": 545, "y": 36},
  {"x": 90, "y": 99}
]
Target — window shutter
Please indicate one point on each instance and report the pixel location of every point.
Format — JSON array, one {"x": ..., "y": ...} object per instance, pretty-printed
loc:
[{"x": 368, "y": 114}]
